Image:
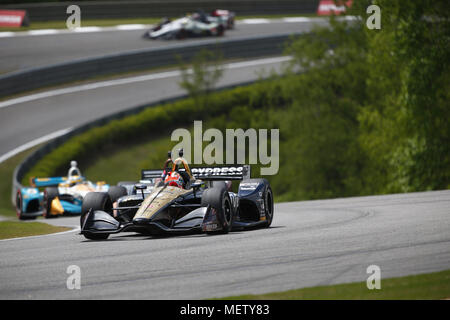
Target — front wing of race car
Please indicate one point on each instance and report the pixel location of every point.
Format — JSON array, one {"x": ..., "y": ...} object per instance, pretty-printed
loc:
[
  {"x": 100, "y": 222},
  {"x": 202, "y": 219}
]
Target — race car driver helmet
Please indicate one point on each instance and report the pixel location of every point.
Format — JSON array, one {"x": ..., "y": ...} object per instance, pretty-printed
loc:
[
  {"x": 74, "y": 174},
  {"x": 175, "y": 180}
]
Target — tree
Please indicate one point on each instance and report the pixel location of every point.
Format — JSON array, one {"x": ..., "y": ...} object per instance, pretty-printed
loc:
[
  {"x": 200, "y": 80},
  {"x": 405, "y": 121}
]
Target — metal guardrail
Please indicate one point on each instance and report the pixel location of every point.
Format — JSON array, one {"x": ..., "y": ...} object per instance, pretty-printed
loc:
[
  {"x": 137, "y": 60},
  {"x": 52, "y": 11}
]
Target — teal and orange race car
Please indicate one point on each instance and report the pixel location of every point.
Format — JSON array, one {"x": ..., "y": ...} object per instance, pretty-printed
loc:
[{"x": 56, "y": 196}]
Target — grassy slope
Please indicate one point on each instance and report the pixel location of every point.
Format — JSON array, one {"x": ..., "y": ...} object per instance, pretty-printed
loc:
[
  {"x": 425, "y": 286},
  {"x": 15, "y": 229}
]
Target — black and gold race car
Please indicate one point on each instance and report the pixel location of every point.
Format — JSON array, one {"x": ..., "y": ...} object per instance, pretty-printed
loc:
[{"x": 181, "y": 200}]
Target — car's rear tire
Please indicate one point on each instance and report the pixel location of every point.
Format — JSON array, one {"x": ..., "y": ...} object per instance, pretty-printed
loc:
[
  {"x": 115, "y": 192},
  {"x": 50, "y": 194},
  {"x": 219, "y": 185},
  {"x": 268, "y": 205},
  {"x": 219, "y": 200},
  {"x": 220, "y": 31}
]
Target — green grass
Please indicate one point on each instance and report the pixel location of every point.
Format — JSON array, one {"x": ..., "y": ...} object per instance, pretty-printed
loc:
[
  {"x": 418, "y": 287},
  {"x": 15, "y": 229},
  {"x": 6, "y": 173},
  {"x": 114, "y": 22},
  {"x": 126, "y": 163}
]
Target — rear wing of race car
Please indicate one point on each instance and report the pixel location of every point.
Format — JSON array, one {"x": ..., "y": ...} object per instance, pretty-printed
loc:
[
  {"x": 149, "y": 174},
  {"x": 239, "y": 172},
  {"x": 47, "y": 182}
]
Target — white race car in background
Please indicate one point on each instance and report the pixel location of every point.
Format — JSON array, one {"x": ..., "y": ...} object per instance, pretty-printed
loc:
[{"x": 198, "y": 24}]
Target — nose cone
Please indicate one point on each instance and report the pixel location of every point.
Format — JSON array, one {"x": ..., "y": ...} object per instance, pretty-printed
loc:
[
  {"x": 157, "y": 201},
  {"x": 141, "y": 221}
]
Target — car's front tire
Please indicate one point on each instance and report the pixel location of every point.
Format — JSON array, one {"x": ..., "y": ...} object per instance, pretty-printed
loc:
[
  {"x": 95, "y": 201},
  {"x": 50, "y": 194},
  {"x": 96, "y": 236},
  {"x": 20, "y": 209},
  {"x": 219, "y": 200}
]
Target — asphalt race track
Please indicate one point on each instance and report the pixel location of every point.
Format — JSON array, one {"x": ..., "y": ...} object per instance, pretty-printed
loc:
[{"x": 310, "y": 243}]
